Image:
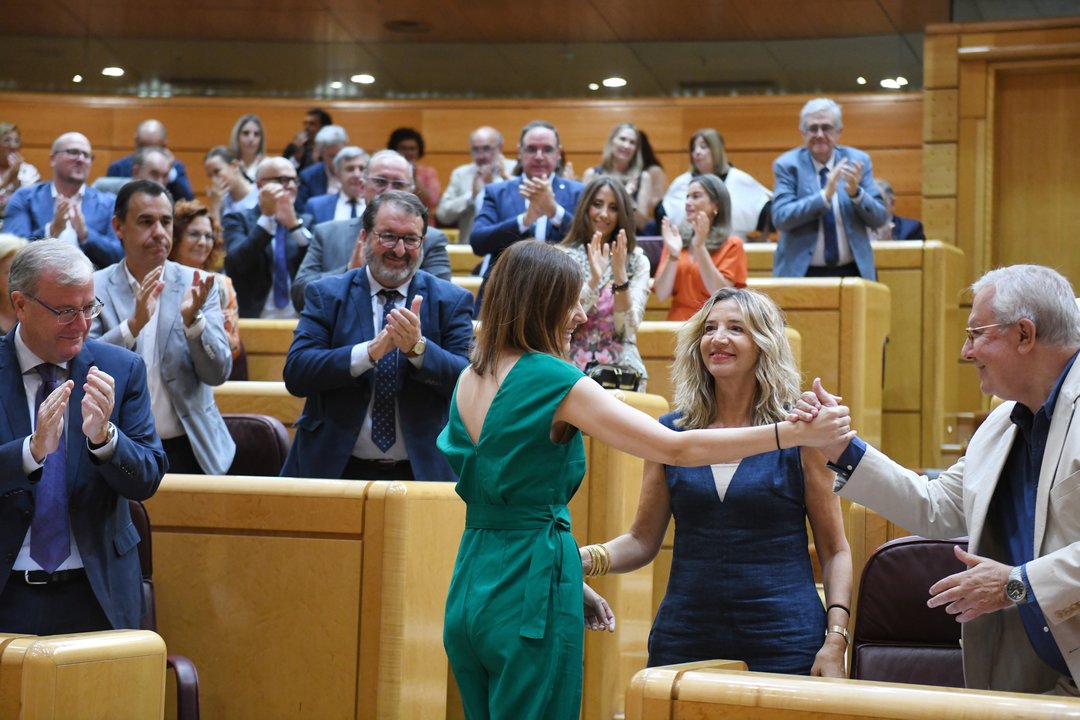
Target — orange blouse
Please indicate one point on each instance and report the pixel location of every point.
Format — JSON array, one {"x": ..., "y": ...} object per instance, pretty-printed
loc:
[{"x": 689, "y": 293}]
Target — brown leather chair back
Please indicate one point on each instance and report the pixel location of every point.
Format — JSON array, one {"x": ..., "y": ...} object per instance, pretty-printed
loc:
[
  {"x": 262, "y": 442},
  {"x": 897, "y": 637}
]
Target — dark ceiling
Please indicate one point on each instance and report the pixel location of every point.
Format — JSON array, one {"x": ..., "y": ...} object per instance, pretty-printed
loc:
[{"x": 477, "y": 48}]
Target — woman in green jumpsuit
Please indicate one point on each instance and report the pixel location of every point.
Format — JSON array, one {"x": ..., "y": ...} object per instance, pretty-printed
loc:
[{"x": 514, "y": 620}]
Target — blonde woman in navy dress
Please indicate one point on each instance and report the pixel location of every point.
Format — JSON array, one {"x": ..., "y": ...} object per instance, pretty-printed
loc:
[{"x": 741, "y": 584}]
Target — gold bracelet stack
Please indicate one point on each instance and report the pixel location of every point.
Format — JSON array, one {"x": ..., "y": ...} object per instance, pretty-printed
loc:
[{"x": 601, "y": 560}]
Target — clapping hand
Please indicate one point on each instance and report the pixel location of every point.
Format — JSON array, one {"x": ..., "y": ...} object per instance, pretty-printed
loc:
[
  {"x": 701, "y": 224},
  {"x": 50, "y": 422},
  {"x": 599, "y": 258},
  {"x": 195, "y": 297},
  {"x": 540, "y": 196},
  {"x": 97, "y": 405},
  {"x": 672, "y": 239},
  {"x": 403, "y": 326},
  {"x": 146, "y": 300}
]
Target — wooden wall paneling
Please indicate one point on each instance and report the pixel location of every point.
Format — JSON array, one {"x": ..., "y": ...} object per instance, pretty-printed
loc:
[
  {"x": 903, "y": 353},
  {"x": 939, "y": 169},
  {"x": 941, "y": 110},
  {"x": 940, "y": 62},
  {"x": 864, "y": 328},
  {"x": 901, "y": 432},
  {"x": 939, "y": 218},
  {"x": 943, "y": 266},
  {"x": 972, "y": 197},
  {"x": 972, "y": 87},
  {"x": 1035, "y": 181}
]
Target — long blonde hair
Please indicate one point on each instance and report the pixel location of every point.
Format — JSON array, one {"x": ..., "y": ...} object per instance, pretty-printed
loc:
[{"x": 776, "y": 377}]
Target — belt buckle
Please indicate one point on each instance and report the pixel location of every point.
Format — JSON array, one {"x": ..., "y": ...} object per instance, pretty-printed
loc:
[{"x": 26, "y": 577}]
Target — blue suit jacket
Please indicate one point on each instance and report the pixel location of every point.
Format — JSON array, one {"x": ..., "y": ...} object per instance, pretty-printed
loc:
[
  {"x": 321, "y": 207},
  {"x": 907, "y": 229},
  {"x": 337, "y": 315},
  {"x": 98, "y": 493},
  {"x": 31, "y": 210},
  {"x": 312, "y": 183},
  {"x": 250, "y": 258},
  {"x": 180, "y": 187},
  {"x": 797, "y": 209},
  {"x": 189, "y": 368}
]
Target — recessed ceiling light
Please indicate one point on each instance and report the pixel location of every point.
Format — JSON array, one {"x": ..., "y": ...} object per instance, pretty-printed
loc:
[
  {"x": 614, "y": 82},
  {"x": 901, "y": 81},
  {"x": 890, "y": 84},
  {"x": 594, "y": 86},
  {"x": 860, "y": 80},
  {"x": 112, "y": 71},
  {"x": 337, "y": 85},
  {"x": 363, "y": 79},
  {"x": 76, "y": 79}
]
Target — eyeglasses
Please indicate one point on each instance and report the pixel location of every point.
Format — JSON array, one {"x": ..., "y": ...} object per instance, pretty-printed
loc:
[
  {"x": 68, "y": 315},
  {"x": 974, "y": 332},
  {"x": 282, "y": 180},
  {"x": 546, "y": 150},
  {"x": 381, "y": 183},
  {"x": 76, "y": 154},
  {"x": 197, "y": 236},
  {"x": 476, "y": 149},
  {"x": 390, "y": 240},
  {"x": 823, "y": 129}
]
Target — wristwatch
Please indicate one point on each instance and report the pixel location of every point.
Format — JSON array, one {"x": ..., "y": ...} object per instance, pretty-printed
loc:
[
  {"x": 419, "y": 347},
  {"x": 110, "y": 431},
  {"x": 1015, "y": 589}
]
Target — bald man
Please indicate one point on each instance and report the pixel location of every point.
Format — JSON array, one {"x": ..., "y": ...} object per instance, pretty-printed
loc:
[
  {"x": 458, "y": 203},
  {"x": 65, "y": 207},
  {"x": 151, "y": 134}
]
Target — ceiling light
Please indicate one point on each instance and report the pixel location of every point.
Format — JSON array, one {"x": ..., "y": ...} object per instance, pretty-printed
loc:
[
  {"x": 112, "y": 71},
  {"x": 337, "y": 85},
  {"x": 76, "y": 79},
  {"x": 901, "y": 81},
  {"x": 594, "y": 86},
  {"x": 890, "y": 84},
  {"x": 614, "y": 82},
  {"x": 363, "y": 79},
  {"x": 860, "y": 80}
]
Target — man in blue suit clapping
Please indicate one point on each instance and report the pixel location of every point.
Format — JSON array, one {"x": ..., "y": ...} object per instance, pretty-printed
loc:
[
  {"x": 67, "y": 208},
  {"x": 537, "y": 204},
  {"x": 825, "y": 201}
]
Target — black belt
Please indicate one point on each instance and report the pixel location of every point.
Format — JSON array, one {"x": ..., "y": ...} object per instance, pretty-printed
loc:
[{"x": 40, "y": 577}]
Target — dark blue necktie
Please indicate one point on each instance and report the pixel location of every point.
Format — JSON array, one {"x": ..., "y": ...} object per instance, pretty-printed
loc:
[
  {"x": 50, "y": 528},
  {"x": 281, "y": 269},
  {"x": 383, "y": 431},
  {"x": 828, "y": 223},
  {"x": 352, "y": 209}
]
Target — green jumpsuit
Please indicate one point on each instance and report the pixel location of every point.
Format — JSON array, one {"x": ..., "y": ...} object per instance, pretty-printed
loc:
[{"x": 514, "y": 622}]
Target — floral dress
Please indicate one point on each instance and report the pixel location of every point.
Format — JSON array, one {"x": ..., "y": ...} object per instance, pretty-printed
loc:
[{"x": 608, "y": 336}]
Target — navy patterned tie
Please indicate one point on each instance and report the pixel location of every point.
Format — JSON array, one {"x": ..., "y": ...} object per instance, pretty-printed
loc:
[
  {"x": 828, "y": 223},
  {"x": 50, "y": 528},
  {"x": 281, "y": 269},
  {"x": 383, "y": 431}
]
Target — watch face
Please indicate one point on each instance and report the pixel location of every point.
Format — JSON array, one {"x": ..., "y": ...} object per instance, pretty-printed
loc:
[{"x": 1015, "y": 590}]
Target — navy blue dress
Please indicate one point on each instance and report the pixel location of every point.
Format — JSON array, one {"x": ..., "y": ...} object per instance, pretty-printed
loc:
[{"x": 741, "y": 584}]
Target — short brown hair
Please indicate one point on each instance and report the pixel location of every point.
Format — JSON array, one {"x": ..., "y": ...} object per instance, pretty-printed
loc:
[{"x": 531, "y": 291}]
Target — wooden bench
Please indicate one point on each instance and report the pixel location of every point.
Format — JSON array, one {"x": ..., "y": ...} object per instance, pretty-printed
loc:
[
  {"x": 266, "y": 343},
  {"x": 719, "y": 689},
  {"x": 116, "y": 674},
  {"x": 259, "y": 396}
]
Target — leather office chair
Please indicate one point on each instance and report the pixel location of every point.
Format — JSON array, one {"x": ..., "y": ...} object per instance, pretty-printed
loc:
[
  {"x": 187, "y": 678},
  {"x": 262, "y": 442},
  {"x": 897, "y": 637}
]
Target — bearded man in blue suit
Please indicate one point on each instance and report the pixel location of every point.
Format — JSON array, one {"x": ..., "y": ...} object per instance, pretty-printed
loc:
[
  {"x": 377, "y": 352},
  {"x": 538, "y": 204},
  {"x": 77, "y": 442},
  {"x": 825, "y": 202}
]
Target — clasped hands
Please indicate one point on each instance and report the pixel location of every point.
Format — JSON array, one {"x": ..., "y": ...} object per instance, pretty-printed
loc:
[
  {"x": 978, "y": 590},
  {"x": 97, "y": 406},
  {"x": 541, "y": 198},
  {"x": 68, "y": 210},
  {"x": 848, "y": 172},
  {"x": 275, "y": 201},
  {"x": 402, "y": 331}
]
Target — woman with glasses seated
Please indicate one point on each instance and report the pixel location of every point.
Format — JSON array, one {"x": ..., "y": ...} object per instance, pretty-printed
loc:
[
  {"x": 197, "y": 243},
  {"x": 602, "y": 241},
  {"x": 700, "y": 255},
  {"x": 741, "y": 583}
]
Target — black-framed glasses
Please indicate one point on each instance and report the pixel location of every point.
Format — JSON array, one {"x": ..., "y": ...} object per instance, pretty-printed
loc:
[
  {"x": 76, "y": 154},
  {"x": 282, "y": 180},
  {"x": 68, "y": 315},
  {"x": 381, "y": 183},
  {"x": 390, "y": 240},
  {"x": 974, "y": 332}
]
